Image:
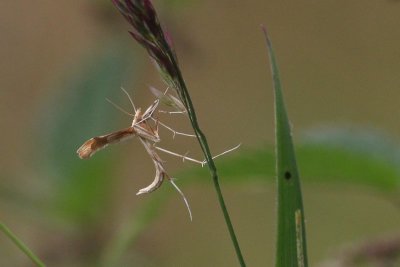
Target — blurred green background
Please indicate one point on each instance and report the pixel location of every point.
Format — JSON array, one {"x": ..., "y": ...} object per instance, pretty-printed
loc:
[{"x": 339, "y": 62}]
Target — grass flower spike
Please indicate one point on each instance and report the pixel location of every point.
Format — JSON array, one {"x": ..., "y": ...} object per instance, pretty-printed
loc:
[{"x": 148, "y": 32}]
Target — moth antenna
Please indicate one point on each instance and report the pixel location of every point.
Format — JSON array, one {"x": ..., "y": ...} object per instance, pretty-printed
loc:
[
  {"x": 119, "y": 108},
  {"x": 183, "y": 197},
  {"x": 130, "y": 99}
]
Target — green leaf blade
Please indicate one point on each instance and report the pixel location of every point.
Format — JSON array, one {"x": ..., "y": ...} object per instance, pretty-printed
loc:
[{"x": 291, "y": 244}]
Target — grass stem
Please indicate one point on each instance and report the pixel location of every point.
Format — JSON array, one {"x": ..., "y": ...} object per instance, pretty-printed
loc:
[
  {"x": 21, "y": 245},
  {"x": 211, "y": 165}
]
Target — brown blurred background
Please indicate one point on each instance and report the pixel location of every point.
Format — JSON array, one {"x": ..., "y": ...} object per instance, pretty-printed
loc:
[{"x": 339, "y": 62}]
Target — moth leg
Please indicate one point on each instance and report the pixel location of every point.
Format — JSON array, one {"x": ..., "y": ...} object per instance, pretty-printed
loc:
[{"x": 172, "y": 130}]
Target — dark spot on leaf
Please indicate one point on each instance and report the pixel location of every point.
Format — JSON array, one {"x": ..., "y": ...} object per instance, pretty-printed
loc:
[{"x": 288, "y": 175}]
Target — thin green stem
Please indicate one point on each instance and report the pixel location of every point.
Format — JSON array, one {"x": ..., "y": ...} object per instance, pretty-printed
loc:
[
  {"x": 213, "y": 170},
  {"x": 210, "y": 162},
  {"x": 21, "y": 245}
]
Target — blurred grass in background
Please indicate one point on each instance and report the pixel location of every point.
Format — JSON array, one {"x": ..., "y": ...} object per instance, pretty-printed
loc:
[{"x": 340, "y": 65}]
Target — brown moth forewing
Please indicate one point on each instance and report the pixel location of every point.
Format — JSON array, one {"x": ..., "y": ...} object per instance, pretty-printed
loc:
[
  {"x": 140, "y": 127},
  {"x": 94, "y": 144}
]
